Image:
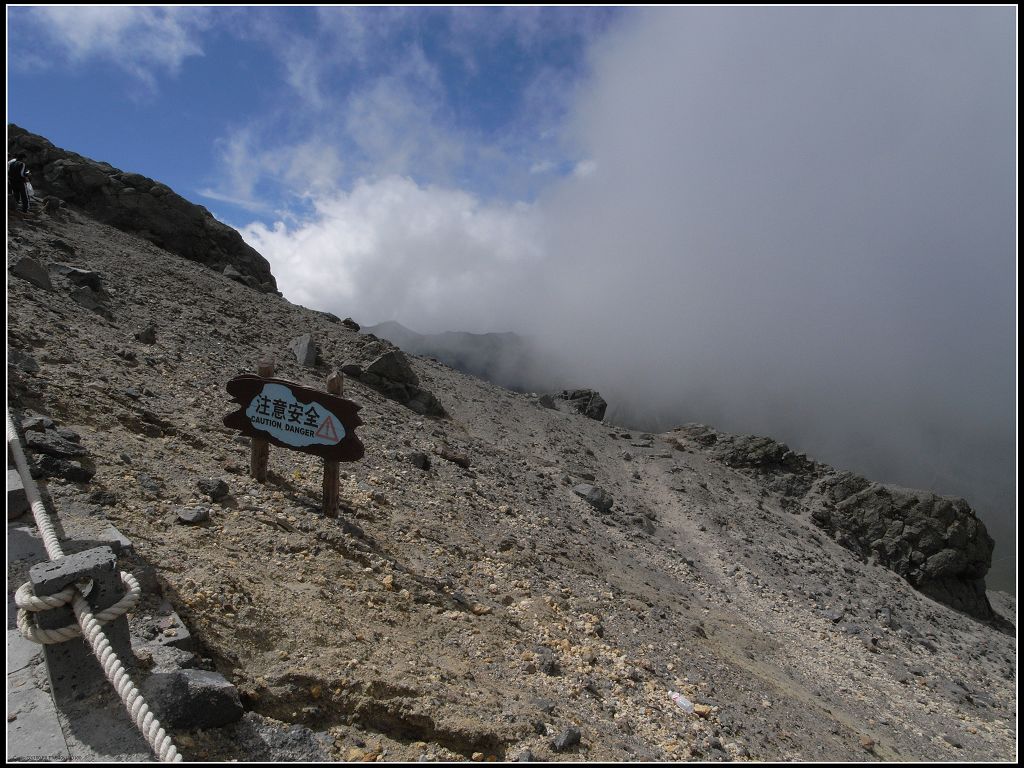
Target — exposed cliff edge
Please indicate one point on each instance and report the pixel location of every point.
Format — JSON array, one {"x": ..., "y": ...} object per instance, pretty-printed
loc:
[
  {"x": 936, "y": 543},
  {"x": 136, "y": 204}
]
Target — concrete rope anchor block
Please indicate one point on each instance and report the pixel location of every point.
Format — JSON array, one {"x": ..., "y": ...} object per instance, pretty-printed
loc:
[
  {"x": 73, "y": 669},
  {"x": 17, "y": 499},
  {"x": 118, "y": 542}
]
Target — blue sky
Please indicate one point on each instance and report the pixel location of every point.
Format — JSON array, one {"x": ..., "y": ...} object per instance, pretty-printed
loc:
[
  {"x": 780, "y": 220},
  {"x": 252, "y": 109}
]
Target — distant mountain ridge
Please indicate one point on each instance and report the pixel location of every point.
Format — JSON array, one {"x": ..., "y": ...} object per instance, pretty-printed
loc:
[{"x": 506, "y": 359}]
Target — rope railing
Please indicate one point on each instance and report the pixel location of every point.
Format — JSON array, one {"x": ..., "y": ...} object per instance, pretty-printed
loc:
[{"x": 89, "y": 625}]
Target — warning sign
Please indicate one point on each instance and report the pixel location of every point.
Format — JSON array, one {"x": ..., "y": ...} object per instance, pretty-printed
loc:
[
  {"x": 295, "y": 417},
  {"x": 277, "y": 411},
  {"x": 327, "y": 432}
]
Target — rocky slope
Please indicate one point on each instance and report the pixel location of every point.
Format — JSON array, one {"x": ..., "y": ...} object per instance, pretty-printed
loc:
[
  {"x": 475, "y": 599},
  {"x": 133, "y": 203}
]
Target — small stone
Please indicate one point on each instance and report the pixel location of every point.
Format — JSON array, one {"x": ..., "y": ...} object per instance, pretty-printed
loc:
[
  {"x": 213, "y": 487},
  {"x": 420, "y": 460},
  {"x": 546, "y": 662},
  {"x": 477, "y": 757},
  {"x": 702, "y": 710},
  {"x": 88, "y": 298},
  {"x": 147, "y": 483},
  {"x": 455, "y": 457},
  {"x": 479, "y": 609},
  {"x": 147, "y": 335},
  {"x": 566, "y": 740},
  {"x": 866, "y": 742},
  {"x": 193, "y": 515},
  {"x": 597, "y": 497}
]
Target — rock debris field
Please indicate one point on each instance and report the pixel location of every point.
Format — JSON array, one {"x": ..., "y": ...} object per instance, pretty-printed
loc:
[{"x": 509, "y": 580}]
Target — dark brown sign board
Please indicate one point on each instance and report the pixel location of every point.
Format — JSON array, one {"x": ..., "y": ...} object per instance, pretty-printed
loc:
[{"x": 295, "y": 417}]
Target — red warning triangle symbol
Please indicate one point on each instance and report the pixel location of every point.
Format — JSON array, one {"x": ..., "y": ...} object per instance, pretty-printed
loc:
[{"x": 326, "y": 430}]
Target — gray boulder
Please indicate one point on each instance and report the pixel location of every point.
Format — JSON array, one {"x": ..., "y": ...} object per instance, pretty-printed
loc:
[
  {"x": 36, "y": 424},
  {"x": 81, "y": 471},
  {"x": 392, "y": 375},
  {"x": 192, "y": 698},
  {"x": 594, "y": 495},
  {"x": 586, "y": 401},
  {"x": 265, "y": 740},
  {"x": 53, "y": 444},
  {"x": 352, "y": 369},
  {"x": 30, "y": 269},
  {"x": 394, "y": 367},
  {"x": 305, "y": 350}
]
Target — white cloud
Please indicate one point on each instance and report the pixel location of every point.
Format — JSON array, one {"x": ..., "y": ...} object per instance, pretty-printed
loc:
[
  {"x": 141, "y": 40},
  {"x": 801, "y": 224},
  {"x": 584, "y": 168},
  {"x": 305, "y": 169},
  {"x": 431, "y": 257}
]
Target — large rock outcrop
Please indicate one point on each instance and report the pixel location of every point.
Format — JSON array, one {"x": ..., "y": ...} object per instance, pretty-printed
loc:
[
  {"x": 133, "y": 203},
  {"x": 390, "y": 373},
  {"x": 585, "y": 401},
  {"x": 936, "y": 543}
]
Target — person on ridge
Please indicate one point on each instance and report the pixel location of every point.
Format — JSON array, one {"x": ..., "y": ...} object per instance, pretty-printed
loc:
[{"x": 17, "y": 175}]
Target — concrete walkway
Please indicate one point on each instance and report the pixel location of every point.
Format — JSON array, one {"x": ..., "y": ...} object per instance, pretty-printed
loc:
[
  {"x": 33, "y": 728},
  {"x": 92, "y": 727}
]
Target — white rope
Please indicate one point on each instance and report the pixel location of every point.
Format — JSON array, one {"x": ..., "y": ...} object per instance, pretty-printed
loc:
[
  {"x": 89, "y": 625},
  {"x": 145, "y": 721},
  {"x": 50, "y": 541},
  {"x": 28, "y": 603}
]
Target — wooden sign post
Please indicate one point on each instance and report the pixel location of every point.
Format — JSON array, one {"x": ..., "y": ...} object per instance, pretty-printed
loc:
[
  {"x": 335, "y": 385},
  {"x": 259, "y": 457},
  {"x": 279, "y": 412}
]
